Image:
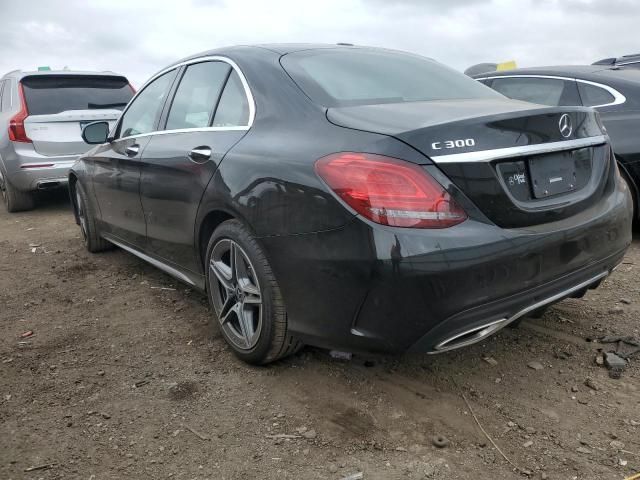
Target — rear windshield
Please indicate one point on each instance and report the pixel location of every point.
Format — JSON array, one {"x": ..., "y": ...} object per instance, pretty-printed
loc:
[
  {"x": 48, "y": 94},
  {"x": 344, "y": 77}
]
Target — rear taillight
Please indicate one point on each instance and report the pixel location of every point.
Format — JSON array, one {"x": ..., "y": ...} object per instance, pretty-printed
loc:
[
  {"x": 389, "y": 191},
  {"x": 17, "y": 132}
]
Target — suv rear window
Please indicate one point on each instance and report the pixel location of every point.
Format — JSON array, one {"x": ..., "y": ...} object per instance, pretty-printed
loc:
[
  {"x": 49, "y": 94},
  {"x": 345, "y": 77}
]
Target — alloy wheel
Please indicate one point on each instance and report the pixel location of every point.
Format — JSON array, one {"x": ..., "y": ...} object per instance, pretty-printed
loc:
[{"x": 236, "y": 294}]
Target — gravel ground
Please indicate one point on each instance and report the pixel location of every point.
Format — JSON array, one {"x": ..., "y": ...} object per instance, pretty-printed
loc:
[{"x": 119, "y": 380}]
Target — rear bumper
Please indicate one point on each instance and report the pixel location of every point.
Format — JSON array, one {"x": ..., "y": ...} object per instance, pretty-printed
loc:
[
  {"x": 28, "y": 170},
  {"x": 371, "y": 288}
]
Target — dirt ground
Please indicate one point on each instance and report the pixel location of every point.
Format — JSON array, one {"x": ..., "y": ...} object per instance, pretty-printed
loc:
[{"x": 119, "y": 380}]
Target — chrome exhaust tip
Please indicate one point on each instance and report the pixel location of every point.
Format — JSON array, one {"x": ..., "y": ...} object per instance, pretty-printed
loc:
[{"x": 471, "y": 336}]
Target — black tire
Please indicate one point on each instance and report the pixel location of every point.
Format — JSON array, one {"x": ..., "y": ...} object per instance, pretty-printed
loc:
[
  {"x": 16, "y": 200},
  {"x": 87, "y": 220},
  {"x": 269, "y": 326}
]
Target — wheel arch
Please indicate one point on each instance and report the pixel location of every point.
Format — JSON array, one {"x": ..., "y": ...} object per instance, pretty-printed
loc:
[
  {"x": 209, "y": 223},
  {"x": 635, "y": 190},
  {"x": 73, "y": 179}
]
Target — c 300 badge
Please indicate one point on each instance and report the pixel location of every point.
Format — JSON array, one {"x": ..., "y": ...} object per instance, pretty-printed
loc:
[{"x": 448, "y": 144}]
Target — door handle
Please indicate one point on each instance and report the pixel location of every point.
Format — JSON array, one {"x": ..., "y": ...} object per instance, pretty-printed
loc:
[
  {"x": 132, "y": 150},
  {"x": 200, "y": 154}
]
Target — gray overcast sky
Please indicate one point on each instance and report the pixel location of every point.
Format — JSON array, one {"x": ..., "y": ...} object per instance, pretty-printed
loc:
[{"x": 137, "y": 38}]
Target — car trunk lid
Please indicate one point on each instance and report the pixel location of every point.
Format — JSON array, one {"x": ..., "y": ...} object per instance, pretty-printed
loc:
[
  {"x": 521, "y": 164},
  {"x": 61, "y": 133},
  {"x": 60, "y": 105}
]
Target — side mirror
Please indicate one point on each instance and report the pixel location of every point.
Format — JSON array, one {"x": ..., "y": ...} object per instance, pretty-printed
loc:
[{"x": 95, "y": 133}]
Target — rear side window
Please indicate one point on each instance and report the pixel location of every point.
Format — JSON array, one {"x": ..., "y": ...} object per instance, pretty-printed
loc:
[
  {"x": 543, "y": 91},
  {"x": 593, "y": 96},
  {"x": 343, "y": 77},
  {"x": 197, "y": 95},
  {"x": 49, "y": 94},
  {"x": 233, "y": 109},
  {"x": 142, "y": 115}
]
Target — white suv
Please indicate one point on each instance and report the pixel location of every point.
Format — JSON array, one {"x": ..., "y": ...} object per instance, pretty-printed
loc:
[{"x": 41, "y": 119}]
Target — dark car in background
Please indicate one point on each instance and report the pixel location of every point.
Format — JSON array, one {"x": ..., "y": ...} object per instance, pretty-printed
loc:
[
  {"x": 41, "y": 118},
  {"x": 613, "y": 91},
  {"x": 354, "y": 198}
]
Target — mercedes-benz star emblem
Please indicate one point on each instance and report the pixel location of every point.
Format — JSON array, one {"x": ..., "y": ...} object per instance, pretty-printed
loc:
[{"x": 565, "y": 125}]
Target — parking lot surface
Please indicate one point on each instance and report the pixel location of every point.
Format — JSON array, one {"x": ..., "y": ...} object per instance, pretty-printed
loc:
[{"x": 106, "y": 372}]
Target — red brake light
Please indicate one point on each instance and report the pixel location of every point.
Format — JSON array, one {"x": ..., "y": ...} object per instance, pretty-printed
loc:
[
  {"x": 17, "y": 132},
  {"x": 389, "y": 191}
]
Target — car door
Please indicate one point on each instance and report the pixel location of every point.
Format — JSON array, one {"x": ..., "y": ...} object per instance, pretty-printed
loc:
[
  {"x": 209, "y": 113},
  {"x": 116, "y": 165}
]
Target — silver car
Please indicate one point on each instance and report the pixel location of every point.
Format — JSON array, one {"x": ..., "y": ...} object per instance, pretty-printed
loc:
[{"x": 42, "y": 114}]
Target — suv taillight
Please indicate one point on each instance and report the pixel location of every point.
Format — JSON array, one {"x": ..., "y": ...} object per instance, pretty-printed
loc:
[
  {"x": 389, "y": 191},
  {"x": 17, "y": 132}
]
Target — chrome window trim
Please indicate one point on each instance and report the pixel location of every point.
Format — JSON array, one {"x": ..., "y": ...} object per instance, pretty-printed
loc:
[
  {"x": 618, "y": 98},
  {"x": 520, "y": 151},
  {"x": 210, "y": 58}
]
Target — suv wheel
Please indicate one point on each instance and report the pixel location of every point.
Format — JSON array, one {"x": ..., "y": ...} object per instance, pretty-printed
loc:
[
  {"x": 16, "y": 200},
  {"x": 86, "y": 218},
  {"x": 246, "y": 297}
]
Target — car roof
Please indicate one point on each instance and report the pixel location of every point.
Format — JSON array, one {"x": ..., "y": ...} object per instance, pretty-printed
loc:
[
  {"x": 19, "y": 74},
  {"x": 278, "y": 48}
]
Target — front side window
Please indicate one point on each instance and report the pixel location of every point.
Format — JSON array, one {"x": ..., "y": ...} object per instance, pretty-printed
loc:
[
  {"x": 233, "y": 109},
  {"x": 344, "y": 77},
  {"x": 143, "y": 113},
  {"x": 543, "y": 91},
  {"x": 593, "y": 96},
  {"x": 197, "y": 95}
]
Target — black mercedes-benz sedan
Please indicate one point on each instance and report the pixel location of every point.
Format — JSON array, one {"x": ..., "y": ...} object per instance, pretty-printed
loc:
[
  {"x": 614, "y": 91},
  {"x": 353, "y": 198}
]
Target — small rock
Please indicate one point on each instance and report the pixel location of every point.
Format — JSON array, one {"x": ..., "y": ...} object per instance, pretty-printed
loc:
[
  {"x": 626, "y": 301},
  {"x": 543, "y": 476},
  {"x": 535, "y": 365},
  {"x": 105, "y": 415},
  {"x": 512, "y": 424},
  {"x": 530, "y": 430},
  {"x": 616, "y": 444},
  {"x": 527, "y": 444},
  {"x": 589, "y": 382},
  {"x": 101, "y": 373},
  {"x": 600, "y": 359},
  {"x": 616, "y": 310},
  {"x": 333, "y": 468},
  {"x": 490, "y": 360},
  {"x": 310, "y": 434},
  {"x": 574, "y": 389},
  {"x": 338, "y": 355},
  {"x": 584, "y": 450}
]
